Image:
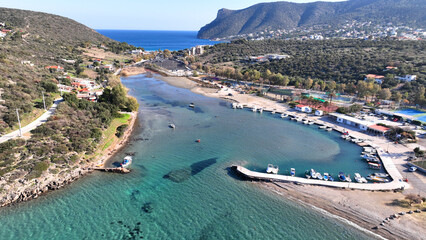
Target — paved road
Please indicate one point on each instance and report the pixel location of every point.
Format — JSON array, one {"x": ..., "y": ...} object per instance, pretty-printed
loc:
[{"x": 39, "y": 121}]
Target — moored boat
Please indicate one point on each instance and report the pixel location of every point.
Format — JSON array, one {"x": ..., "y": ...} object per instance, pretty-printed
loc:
[
  {"x": 326, "y": 176},
  {"x": 344, "y": 178},
  {"x": 374, "y": 178},
  {"x": 292, "y": 172},
  {"x": 192, "y": 105},
  {"x": 284, "y": 115},
  {"x": 319, "y": 176},
  {"x": 126, "y": 161},
  {"x": 234, "y": 105},
  {"x": 171, "y": 125},
  {"x": 329, "y": 129},
  {"x": 313, "y": 174},
  {"x": 359, "y": 178},
  {"x": 261, "y": 110},
  {"x": 272, "y": 169},
  {"x": 374, "y": 165}
]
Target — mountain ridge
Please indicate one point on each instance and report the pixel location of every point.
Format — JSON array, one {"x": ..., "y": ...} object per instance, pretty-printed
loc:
[{"x": 288, "y": 15}]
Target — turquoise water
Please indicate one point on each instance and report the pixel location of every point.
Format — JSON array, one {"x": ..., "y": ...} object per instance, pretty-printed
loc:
[{"x": 200, "y": 198}]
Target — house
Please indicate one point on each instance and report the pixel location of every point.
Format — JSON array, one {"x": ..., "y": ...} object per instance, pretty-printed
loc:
[
  {"x": 377, "y": 78},
  {"x": 198, "y": 50},
  {"x": 319, "y": 113},
  {"x": 388, "y": 68},
  {"x": 57, "y": 68},
  {"x": 378, "y": 129},
  {"x": 360, "y": 124},
  {"x": 108, "y": 67},
  {"x": 351, "y": 121},
  {"x": 2, "y": 34},
  {"x": 303, "y": 108},
  {"x": 408, "y": 78},
  {"x": 97, "y": 60},
  {"x": 137, "y": 52}
]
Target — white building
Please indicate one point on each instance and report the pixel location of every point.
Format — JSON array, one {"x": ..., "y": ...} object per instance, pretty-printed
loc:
[
  {"x": 319, "y": 113},
  {"x": 303, "y": 108},
  {"x": 408, "y": 78},
  {"x": 351, "y": 121},
  {"x": 377, "y": 78}
]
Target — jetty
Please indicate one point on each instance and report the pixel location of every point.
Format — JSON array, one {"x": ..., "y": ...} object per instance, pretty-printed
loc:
[
  {"x": 397, "y": 182},
  {"x": 114, "y": 170}
]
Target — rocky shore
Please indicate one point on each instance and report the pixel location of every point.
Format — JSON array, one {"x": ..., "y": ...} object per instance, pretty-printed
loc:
[{"x": 26, "y": 190}]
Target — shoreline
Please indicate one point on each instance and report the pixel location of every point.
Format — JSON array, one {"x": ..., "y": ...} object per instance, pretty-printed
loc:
[
  {"x": 351, "y": 207},
  {"x": 35, "y": 188}
]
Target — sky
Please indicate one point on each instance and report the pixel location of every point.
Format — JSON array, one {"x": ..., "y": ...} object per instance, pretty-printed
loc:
[{"x": 137, "y": 14}]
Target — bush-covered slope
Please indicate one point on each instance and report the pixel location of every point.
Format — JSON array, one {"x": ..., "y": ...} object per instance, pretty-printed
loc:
[{"x": 286, "y": 15}]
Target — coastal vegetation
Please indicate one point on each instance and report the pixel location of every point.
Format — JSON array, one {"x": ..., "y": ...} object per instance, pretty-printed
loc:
[{"x": 338, "y": 66}]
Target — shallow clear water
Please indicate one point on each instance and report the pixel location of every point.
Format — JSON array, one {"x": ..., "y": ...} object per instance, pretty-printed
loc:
[
  {"x": 201, "y": 198},
  {"x": 154, "y": 40}
]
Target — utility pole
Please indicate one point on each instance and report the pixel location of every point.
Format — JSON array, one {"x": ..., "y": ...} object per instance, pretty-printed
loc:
[
  {"x": 19, "y": 122},
  {"x": 44, "y": 103}
]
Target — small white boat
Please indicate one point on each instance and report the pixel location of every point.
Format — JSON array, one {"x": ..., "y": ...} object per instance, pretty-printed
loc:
[
  {"x": 319, "y": 176},
  {"x": 374, "y": 165},
  {"x": 273, "y": 112},
  {"x": 284, "y": 115},
  {"x": 171, "y": 125},
  {"x": 192, "y": 105},
  {"x": 272, "y": 169},
  {"x": 359, "y": 178},
  {"x": 298, "y": 119},
  {"x": 261, "y": 110},
  {"x": 329, "y": 129},
  {"x": 344, "y": 136},
  {"x": 292, "y": 172},
  {"x": 234, "y": 105},
  {"x": 374, "y": 178},
  {"x": 306, "y": 122},
  {"x": 254, "y": 109},
  {"x": 126, "y": 161},
  {"x": 381, "y": 175},
  {"x": 311, "y": 123},
  {"x": 322, "y": 127},
  {"x": 326, "y": 176}
]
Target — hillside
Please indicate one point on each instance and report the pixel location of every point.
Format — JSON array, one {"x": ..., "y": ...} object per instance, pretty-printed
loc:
[{"x": 287, "y": 15}]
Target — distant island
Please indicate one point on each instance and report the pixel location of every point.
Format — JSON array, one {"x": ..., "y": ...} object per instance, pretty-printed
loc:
[{"x": 329, "y": 19}]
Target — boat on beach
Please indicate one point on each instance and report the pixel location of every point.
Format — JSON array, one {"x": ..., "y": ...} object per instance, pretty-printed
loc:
[
  {"x": 292, "y": 172},
  {"x": 272, "y": 169},
  {"x": 126, "y": 161},
  {"x": 359, "y": 178}
]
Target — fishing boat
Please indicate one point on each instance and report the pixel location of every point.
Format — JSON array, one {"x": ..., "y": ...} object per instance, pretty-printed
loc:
[
  {"x": 311, "y": 123},
  {"x": 329, "y": 129},
  {"x": 307, "y": 174},
  {"x": 374, "y": 178},
  {"x": 369, "y": 156},
  {"x": 374, "y": 165},
  {"x": 319, "y": 176},
  {"x": 326, "y": 176},
  {"x": 284, "y": 115},
  {"x": 192, "y": 105},
  {"x": 254, "y": 109},
  {"x": 313, "y": 174},
  {"x": 298, "y": 119},
  {"x": 261, "y": 110},
  {"x": 343, "y": 177},
  {"x": 171, "y": 125},
  {"x": 344, "y": 136},
  {"x": 240, "y": 106},
  {"x": 306, "y": 122},
  {"x": 126, "y": 161},
  {"x": 322, "y": 127},
  {"x": 272, "y": 169},
  {"x": 381, "y": 175},
  {"x": 359, "y": 178},
  {"x": 234, "y": 105},
  {"x": 292, "y": 172},
  {"x": 374, "y": 160},
  {"x": 330, "y": 178}
]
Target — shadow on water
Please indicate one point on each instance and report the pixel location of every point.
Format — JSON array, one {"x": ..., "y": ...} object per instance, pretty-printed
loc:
[
  {"x": 184, "y": 174},
  {"x": 196, "y": 109}
]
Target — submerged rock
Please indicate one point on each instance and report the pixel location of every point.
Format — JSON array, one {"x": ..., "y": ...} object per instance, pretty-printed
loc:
[
  {"x": 147, "y": 207},
  {"x": 178, "y": 175}
]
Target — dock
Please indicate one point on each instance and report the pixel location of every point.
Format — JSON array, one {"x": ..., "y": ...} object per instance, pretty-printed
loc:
[
  {"x": 114, "y": 170},
  {"x": 394, "y": 185}
]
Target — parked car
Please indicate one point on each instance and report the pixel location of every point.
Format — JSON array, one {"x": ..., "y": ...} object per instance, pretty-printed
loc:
[{"x": 412, "y": 169}]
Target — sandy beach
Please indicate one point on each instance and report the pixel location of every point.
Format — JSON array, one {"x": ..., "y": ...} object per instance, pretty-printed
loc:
[{"x": 366, "y": 209}]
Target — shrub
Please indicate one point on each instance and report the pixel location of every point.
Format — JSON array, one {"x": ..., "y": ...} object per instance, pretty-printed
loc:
[{"x": 120, "y": 130}]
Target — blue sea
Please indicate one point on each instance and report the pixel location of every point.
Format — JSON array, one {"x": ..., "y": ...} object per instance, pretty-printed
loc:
[
  {"x": 181, "y": 189},
  {"x": 155, "y": 40}
]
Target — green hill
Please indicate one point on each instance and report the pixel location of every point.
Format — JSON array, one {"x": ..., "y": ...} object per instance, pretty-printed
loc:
[{"x": 287, "y": 15}]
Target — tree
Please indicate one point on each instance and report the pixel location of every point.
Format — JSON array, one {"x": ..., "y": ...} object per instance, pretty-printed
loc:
[{"x": 384, "y": 94}]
